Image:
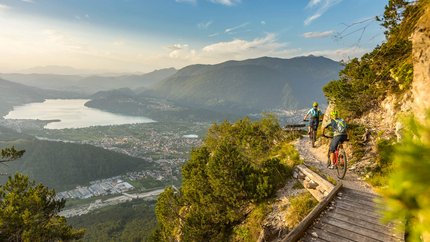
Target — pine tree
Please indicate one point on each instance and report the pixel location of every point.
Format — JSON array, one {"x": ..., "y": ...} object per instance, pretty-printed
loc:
[{"x": 29, "y": 212}]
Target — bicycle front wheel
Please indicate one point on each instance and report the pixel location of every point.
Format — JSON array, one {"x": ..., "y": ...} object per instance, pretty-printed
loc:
[{"x": 342, "y": 164}]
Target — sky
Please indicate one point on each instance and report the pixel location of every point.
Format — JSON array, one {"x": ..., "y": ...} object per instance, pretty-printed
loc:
[{"x": 145, "y": 35}]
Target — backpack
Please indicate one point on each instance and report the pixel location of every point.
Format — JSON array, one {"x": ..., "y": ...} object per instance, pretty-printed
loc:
[
  {"x": 315, "y": 113},
  {"x": 341, "y": 125}
]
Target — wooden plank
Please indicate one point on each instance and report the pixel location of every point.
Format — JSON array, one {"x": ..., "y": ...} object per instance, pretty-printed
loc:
[
  {"x": 360, "y": 197},
  {"x": 358, "y": 206},
  {"x": 365, "y": 231},
  {"x": 356, "y": 215},
  {"x": 315, "y": 177},
  {"x": 354, "y": 220},
  {"x": 359, "y": 201},
  {"x": 344, "y": 233},
  {"x": 357, "y": 210},
  {"x": 312, "y": 239},
  {"x": 300, "y": 229},
  {"x": 327, "y": 236},
  {"x": 360, "y": 193}
]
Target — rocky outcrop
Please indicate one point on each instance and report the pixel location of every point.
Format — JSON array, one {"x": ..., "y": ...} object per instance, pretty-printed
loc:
[{"x": 421, "y": 60}]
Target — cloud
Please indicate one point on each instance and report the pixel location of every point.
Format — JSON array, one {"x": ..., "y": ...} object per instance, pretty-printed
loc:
[
  {"x": 240, "y": 47},
  {"x": 28, "y": 1},
  {"x": 4, "y": 8},
  {"x": 204, "y": 25},
  {"x": 64, "y": 40},
  {"x": 237, "y": 49},
  {"x": 181, "y": 51},
  {"x": 339, "y": 54},
  {"x": 226, "y": 2},
  {"x": 229, "y": 30},
  {"x": 187, "y": 1},
  {"x": 213, "y": 35},
  {"x": 322, "y": 6},
  {"x": 313, "y": 35},
  {"x": 263, "y": 22}
]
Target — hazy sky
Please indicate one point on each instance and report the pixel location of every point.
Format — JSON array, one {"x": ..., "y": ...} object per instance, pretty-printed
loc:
[{"x": 143, "y": 35}]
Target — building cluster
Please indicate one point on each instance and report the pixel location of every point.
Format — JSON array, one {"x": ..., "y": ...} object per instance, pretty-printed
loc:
[
  {"x": 168, "y": 170},
  {"x": 114, "y": 185}
]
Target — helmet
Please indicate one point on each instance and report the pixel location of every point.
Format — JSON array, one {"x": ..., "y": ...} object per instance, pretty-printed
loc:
[
  {"x": 334, "y": 113},
  {"x": 315, "y": 104}
]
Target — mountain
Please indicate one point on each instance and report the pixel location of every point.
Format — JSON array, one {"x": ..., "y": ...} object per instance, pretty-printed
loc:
[
  {"x": 13, "y": 94},
  {"x": 89, "y": 84},
  {"x": 58, "y": 70},
  {"x": 250, "y": 85},
  {"x": 127, "y": 102}
]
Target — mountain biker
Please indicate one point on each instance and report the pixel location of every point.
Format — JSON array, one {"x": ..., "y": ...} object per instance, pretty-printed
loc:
[
  {"x": 339, "y": 127},
  {"x": 315, "y": 116}
]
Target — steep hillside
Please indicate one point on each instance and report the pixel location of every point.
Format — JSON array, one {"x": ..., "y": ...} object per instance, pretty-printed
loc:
[
  {"x": 64, "y": 165},
  {"x": 251, "y": 85},
  {"x": 376, "y": 92}
]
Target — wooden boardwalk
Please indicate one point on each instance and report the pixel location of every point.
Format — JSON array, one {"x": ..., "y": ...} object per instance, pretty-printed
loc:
[{"x": 351, "y": 216}]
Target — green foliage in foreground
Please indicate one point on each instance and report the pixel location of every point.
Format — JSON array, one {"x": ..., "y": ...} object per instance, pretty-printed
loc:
[
  {"x": 236, "y": 167},
  {"x": 408, "y": 193},
  {"x": 29, "y": 212}
]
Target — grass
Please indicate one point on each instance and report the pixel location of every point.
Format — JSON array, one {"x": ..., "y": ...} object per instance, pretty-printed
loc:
[
  {"x": 300, "y": 206},
  {"x": 250, "y": 229}
]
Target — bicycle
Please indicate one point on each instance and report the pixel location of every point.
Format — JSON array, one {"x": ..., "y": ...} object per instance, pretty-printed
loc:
[
  {"x": 340, "y": 159},
  {"x": 313, "y": 133}
]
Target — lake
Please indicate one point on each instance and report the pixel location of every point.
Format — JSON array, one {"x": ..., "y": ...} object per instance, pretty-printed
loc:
[{"x": 71, "y": 113}]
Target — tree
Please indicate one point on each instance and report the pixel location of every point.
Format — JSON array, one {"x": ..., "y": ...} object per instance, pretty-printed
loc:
[
  {"x": 235, "y": 168},
  {"x": 29, "y": 212},
  {"x": 10, "y": 154}
]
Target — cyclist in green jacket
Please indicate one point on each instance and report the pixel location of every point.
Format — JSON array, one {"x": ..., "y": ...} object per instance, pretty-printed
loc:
[
  {"x": 315, "y": 116},
  {"x": 339, "y": 127}
]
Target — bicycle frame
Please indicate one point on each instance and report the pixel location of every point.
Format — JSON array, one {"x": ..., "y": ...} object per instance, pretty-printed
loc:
[{"x": 339, "y": 154}]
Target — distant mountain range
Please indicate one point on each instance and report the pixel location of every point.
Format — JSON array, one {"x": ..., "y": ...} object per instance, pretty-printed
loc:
[
  {"x": 89, "y": 84},
  {"x": 225, "y": 90},
  {"x": 14, "y": 94},
  {"x": 250, "y": 85}
]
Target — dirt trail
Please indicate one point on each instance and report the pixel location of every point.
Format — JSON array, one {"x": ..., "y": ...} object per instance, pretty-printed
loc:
[{"x": 317, "y": 157}]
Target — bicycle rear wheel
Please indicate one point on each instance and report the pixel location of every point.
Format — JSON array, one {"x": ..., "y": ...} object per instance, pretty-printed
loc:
[
  {"x": 312, "y": 137},
  {"x": 342, "y": 164}
]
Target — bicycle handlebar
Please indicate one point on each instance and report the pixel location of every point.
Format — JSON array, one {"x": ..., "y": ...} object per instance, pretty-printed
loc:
[{"x": 330, "y": 137}]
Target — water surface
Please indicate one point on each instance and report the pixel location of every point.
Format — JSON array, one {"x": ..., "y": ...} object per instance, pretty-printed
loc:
[{"x": 71, "y": 113}]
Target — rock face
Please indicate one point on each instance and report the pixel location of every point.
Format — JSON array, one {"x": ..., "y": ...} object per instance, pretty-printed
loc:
[{"x": 421, "y": 59}]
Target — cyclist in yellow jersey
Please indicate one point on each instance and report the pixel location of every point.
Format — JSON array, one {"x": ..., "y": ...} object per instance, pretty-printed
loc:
[{"x": 315, "y": 116}]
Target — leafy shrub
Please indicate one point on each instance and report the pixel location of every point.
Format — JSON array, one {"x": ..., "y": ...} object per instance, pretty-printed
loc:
[{"x": 408, "y": 193}]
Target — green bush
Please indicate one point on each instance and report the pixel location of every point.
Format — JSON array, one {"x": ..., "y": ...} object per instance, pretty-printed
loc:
[{"x": 408, "y": 193}]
